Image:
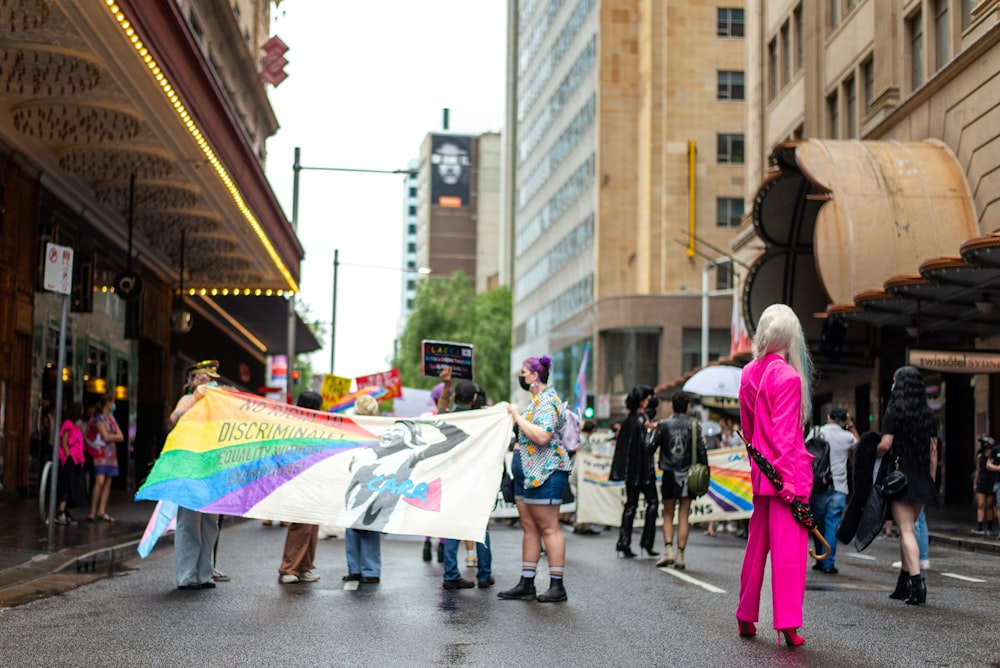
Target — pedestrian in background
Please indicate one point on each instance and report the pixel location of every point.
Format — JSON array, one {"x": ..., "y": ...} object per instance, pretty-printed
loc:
[
  {"x": 71, "y": 483},
  {"x": 633, "y": 464},
  {"x": 541, "y": 468},
  {"x": 909, "y": 443},
  {"x": 363, "y": 548},
  {"x": 681, "y": 443},
  {"x": 299, "y": 555},
  {"x": 774, "y": 406},
  {"x": 828, "y": 504},
  {"x": 983, "y": 481},
  {"x": 103, "y": 437}
]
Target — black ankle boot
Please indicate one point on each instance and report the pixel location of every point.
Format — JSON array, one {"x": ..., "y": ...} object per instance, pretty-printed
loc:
[
  {"x": 555, "y": 593},
  {"x": 918, "y": 590},
  {"x": 522, "y": 591},
  {"x": 902, "y": 591}
]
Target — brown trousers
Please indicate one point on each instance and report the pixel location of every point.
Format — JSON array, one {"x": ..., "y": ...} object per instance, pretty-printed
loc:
[{"x": 300, "y": 549}]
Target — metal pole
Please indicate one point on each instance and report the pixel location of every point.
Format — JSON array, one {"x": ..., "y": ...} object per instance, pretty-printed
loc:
[
  {"x": 333, "y": 318},
  {"x": 289, "y": 388},
  {"x": 57, "y": 422},
  {"x": 704, "y": 313}
]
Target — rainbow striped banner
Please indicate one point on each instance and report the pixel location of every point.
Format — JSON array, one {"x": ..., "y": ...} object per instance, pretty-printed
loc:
[
  {"x": 600, "y": 501},
  {"x": 348, "y": 400},
  {"x": 243, "y": 455}
]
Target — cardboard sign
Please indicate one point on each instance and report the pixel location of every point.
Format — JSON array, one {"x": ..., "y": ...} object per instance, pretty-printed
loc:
[
  {"x": 388, "y": 379},
  {"x": 439, "y": 354},
  {"x": 334, "y": 387}
]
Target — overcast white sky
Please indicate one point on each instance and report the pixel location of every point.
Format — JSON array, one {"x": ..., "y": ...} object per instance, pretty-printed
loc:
[{"x": 367, "y": 81}]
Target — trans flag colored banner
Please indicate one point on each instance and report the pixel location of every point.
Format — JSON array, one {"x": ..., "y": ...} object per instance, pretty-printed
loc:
[{"x": 243, "y": 455}]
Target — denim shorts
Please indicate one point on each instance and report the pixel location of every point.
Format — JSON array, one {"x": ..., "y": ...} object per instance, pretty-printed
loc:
[{"x": 549, "y": 493}]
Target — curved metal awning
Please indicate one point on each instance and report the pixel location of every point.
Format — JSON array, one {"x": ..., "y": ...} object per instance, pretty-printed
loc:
[{"x": 855, "y": 230}]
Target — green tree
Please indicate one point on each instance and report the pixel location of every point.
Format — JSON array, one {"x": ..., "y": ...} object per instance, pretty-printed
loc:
[{"x": 448, "y": 309}]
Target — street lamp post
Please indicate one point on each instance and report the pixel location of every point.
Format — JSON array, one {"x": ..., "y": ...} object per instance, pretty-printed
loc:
[{"x": 298, "y": 167}]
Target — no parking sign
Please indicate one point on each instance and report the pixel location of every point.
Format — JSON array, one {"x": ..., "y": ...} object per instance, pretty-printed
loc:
[{"x": 58, "y": 276}]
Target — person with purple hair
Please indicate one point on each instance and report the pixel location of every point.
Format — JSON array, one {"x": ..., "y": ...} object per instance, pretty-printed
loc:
[{"x": 540, "y": 468}]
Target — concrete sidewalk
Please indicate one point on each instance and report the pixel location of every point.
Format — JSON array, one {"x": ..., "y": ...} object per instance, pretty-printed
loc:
[{"x": 98, "y": 548}]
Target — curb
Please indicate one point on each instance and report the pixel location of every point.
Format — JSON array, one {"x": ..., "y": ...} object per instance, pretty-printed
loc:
[{"x": 967, "y": 544}]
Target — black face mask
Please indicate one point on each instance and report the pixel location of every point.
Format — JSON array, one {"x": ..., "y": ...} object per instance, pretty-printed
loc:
[{"x": 522, "y": 381}]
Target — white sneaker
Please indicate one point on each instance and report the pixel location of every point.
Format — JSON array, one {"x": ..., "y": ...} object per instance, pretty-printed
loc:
[
  {"x": 288, "y": 578},
  {"x": 308, "y": 576},
  {"x": 897, "y": 564},
  {"x": 925, "y": 563}
]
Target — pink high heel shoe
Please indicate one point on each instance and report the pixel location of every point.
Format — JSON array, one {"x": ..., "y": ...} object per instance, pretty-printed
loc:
[{"x": 792, "y": 638}]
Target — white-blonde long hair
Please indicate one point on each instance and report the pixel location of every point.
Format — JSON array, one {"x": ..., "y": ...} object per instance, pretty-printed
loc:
[{"x": 779, "y": 329}]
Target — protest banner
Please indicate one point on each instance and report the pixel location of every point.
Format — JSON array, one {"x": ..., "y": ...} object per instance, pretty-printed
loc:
[
  {"x": 388, "y": 379},
  {"x": 334, "y": 387},
  {"x": 239, "y": 454},
  {"x": 600, "y": 501}
]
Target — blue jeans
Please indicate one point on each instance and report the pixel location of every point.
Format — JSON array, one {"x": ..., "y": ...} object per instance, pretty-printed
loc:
[
  {"x": 828, "y": 509},
  {"x": 920, "y": 529},
  {"x": 364, "y": 552},
  {"x": 483, "y": 556}
]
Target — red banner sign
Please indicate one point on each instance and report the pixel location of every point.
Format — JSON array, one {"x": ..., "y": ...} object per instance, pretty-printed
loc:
[{"x": 387, "y": 379}]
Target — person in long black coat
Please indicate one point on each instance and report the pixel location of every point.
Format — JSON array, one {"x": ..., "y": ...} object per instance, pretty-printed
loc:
[
  {"x": 633, "y": 464},
  {"x": 856, "y": 522}
]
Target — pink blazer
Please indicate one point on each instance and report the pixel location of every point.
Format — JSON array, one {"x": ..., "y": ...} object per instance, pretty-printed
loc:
[{"x": 770, "y": 401}]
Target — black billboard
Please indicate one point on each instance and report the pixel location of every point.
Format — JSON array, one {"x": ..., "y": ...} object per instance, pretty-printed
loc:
[{"x": 451, "y": 170}]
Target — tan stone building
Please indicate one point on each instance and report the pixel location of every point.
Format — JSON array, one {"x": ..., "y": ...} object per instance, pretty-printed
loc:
[
  {"x": 874, "y": 222},
  {"x": 625, "y": 180}
]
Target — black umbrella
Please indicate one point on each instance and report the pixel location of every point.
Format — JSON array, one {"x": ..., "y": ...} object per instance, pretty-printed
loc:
[{"x": 800, "y": 511}]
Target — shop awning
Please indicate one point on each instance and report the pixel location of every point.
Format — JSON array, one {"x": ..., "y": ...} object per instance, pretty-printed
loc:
[{"x": 260, "y": 322}]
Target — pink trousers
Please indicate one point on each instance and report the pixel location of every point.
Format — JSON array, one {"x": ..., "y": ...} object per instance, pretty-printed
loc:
[{"x": 774, "y": 530}]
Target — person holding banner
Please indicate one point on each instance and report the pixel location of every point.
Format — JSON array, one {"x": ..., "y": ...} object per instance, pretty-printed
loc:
[
  {"x": 363, "y": 548},
  {"x": 300, "y": 541},
  {"x": 196, "y": 533},
  {"x": 541, "y": 468},
  {"x": 775, "y": 402}
]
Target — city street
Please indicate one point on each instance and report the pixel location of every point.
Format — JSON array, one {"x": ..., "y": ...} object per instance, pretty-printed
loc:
[{"x": 620, "y": 612}]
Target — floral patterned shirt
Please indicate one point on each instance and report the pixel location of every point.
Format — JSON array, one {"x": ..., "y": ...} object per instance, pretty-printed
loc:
[{"x": 539, "y": 461}]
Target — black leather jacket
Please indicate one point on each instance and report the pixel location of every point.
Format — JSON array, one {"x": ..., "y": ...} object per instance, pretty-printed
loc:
[
  {"x": 673, "y": 437},
  {"x": 632, "y": 461}
]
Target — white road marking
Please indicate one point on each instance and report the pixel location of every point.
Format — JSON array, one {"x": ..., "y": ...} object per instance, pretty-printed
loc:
[
  {"x": 962, "y": 577},
  {"x": 681, "y": 575},
  {"x": 865, "y": 557}
]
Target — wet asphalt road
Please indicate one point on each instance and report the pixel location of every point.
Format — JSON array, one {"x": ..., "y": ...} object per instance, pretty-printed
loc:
[{"x": 619, "y": 613}]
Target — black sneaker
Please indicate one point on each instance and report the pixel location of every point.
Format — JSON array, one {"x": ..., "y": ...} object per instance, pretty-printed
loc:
[
  {"x": 831, "y": 570},
  {"x": 486, "y": 584},
  {"x": 352, "y": 577},
  {"x": 61, "y": 519},
  {"x": 369, "y": 579},
  {"x": 460, "y": 583}
]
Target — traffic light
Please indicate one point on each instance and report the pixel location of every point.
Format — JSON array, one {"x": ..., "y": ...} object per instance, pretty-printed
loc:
[
  {"x": 295, "y": 376},
  {"x": 588, "y": 411}
]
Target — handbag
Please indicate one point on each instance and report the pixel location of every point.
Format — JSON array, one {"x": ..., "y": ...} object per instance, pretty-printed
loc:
[
  {"x": 699, "y": 474},
  {"x": 507, "y": 484},
  {"x": 895, "y": 482}
]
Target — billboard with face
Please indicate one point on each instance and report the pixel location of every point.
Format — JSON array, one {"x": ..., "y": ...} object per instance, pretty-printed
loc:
[{"x": 451, "y": 170}]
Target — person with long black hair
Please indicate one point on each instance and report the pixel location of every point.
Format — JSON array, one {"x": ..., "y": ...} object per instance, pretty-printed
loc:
[
  {"x": 909, "y": 443},
  {"x": 633, "y": 463}
]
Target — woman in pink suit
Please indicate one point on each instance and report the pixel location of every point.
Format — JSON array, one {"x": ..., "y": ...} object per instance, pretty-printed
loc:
[{"x": 774, "y": 405}]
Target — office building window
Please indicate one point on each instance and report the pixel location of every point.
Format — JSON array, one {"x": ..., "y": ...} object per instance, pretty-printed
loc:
[
  {"x": 868, "y": 73},
  {"x": 411, "y": 228},
  {"x": 833, "y": 116},
  {"x": 772, "y": 69},
  {"x": 941, "y": 43},
  {"x": 411, "y": 247},
  {"x": 729, "y": 149},
  {"x": 728, "y": 212},
  {"x": 915, "y": 28},
  {"x": 730, "y": 85},
  {"x": 724, "y": 276},
  {"x": 719, "y": 341},
  {"x": 631, "y": 357},
  {"x": 786, "y": 54},
  {"x": 833, "y": 6},
  {"x": 411, "y": 265},
  {"x": 730, "y": 22},
  {"x": 850, "y": 106},
  {"x": 967, "y": 7},
  {"x": 799, "y": 35},
  {"x": 413, "y": 191}
]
